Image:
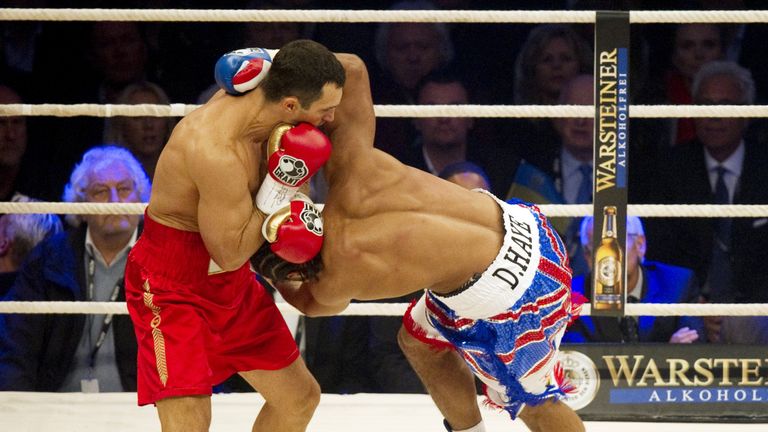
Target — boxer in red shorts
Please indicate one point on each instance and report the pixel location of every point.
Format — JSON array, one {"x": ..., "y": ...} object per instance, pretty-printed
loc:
[
  {"x": 196, "y": 329},
  {"x": 227, "y": 179}
]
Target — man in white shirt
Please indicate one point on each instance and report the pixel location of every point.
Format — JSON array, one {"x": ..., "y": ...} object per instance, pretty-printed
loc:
[{"x": 88, "y": 353}]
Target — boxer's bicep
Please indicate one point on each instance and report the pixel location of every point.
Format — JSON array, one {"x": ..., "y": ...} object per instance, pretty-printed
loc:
[{"x": 229, "y": 224}]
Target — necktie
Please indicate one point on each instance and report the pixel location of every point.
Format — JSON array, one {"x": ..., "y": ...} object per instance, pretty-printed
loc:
[
  {"x": 719, "y": 281},
  {"x": 628, "y": 325},
  {"x": 584, "y": 195}
]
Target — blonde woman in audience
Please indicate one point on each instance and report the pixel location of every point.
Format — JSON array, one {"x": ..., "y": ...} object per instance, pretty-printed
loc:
[{"x": 551, "y": 56}]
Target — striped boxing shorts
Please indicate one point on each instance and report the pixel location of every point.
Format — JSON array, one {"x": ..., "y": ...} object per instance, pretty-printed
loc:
[{"x": 507, "y": 322}]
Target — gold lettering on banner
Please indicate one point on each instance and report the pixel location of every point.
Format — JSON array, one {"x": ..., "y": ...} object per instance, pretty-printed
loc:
[
  {"x": 703, "y": 368},
  {"x": 623, "y": 370},
  {"x": 157, "y": 335},
  {"x": 642, "y": 371},
  {"x": 605, "y": 168},
  {"x": 726, "y": 365},
  {"x": 651, "y": 371},
  {"x": 677, "y": 370},
  {"x": 750, "y": 367}
]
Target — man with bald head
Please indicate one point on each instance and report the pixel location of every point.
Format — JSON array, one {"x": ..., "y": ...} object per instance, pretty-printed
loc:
[{"x": 647, "y": 282}]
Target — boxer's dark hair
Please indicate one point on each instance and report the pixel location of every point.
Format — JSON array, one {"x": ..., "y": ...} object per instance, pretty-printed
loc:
[
  {"x": 302, "y": 68},
  {"x": 271, "y": 266}
]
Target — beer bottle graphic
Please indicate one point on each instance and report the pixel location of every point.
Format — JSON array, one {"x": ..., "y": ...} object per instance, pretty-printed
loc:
[{"x": 607, "y": 276}]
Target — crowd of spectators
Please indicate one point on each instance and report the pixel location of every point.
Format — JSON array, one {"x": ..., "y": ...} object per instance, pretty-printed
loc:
[{"x": 673, "y": 161}]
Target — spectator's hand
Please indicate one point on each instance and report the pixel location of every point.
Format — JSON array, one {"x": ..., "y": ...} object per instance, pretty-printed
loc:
[
  {"x": 684, "y": 335},
  {"x": 713, "y": 324}
]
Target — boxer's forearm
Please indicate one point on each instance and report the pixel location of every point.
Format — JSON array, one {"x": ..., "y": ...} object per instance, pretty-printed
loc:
[{"x": 301, "y": 298}]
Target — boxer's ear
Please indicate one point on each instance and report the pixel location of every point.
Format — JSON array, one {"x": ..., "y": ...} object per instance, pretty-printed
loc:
[{"x": 290, "y": 104}]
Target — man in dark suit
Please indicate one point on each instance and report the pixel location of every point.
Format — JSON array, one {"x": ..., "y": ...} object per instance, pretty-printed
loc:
[
  {"x": 721, "y": 166},
  {"x": 563, "y": 175},
  {"x": 647, "y": 282},
  {"x": 442, "y": 141},
  {"x": 75, "y": 352}
]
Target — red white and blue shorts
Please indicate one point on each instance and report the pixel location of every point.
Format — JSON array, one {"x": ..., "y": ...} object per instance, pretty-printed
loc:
[
  {"x": 508, "y": 323},
  {"x": 195, "y": 327}
]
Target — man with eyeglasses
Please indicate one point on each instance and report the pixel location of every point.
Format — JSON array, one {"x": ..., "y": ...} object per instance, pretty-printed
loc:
[
  {"x": 86, "y": 262},
  {"x": 647, "y": 282}
]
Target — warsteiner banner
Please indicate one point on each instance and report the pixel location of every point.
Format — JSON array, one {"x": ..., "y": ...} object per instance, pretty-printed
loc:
[
  {"x": 610, "y": 162},
  {"x": 667, "y": 382}
]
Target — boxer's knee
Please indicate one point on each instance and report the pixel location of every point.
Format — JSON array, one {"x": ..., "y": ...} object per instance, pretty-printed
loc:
[
  {"x": 304, "y": 398},
  {"x": 311, "y": 396},
  {"x": 409, "y": 344},
  {"x": 187, "y": 413},
  {"x": 551, "y": 415}
]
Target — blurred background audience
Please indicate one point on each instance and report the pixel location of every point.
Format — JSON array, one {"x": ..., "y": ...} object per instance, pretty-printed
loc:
[
  {"x": 145, "y": 137},
  {"x": 564, "y": 174},
  {"x": 19, "y": 234},
  {"x": 721, "y": 165},
  {"x": 674, "y": 161},
  {"x": 647, "y": 282},
  {"x": 73, "y": 352}
]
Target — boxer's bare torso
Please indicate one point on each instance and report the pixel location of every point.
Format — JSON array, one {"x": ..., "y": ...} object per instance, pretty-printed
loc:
[
  {"x": 214, "y": 163},
  {"x": 391, "y": 229},
  {"x": 208, "y": 174},
  {"x": 202, "y": 135}
]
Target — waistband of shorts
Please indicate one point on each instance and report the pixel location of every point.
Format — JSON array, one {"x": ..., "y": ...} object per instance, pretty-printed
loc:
[
  {"x": 509, "y": 275},
  {"x": 162, "y": 246},
  {"x": 163, "y": 233}
]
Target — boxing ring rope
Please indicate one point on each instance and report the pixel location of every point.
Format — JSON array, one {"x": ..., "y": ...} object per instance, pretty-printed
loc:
[
  {"x": 117, "y": 411},
  {"x": 396, "y": 309},
  {"x": 478, "y": 111},
  {"x": 551, "y": 210},
  {"x": 350, "y": 16},
  {"x": 643, "y": 210},
  {"x": 571, "y": 210},
  {"x": 369, "y": 16}
]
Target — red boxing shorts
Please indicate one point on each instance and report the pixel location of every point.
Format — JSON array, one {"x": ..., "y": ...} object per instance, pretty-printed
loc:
[{"x": 195, "y": 328}]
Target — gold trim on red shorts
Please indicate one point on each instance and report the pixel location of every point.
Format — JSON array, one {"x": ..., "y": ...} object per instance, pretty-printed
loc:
[{"x": 157, "y": 334}]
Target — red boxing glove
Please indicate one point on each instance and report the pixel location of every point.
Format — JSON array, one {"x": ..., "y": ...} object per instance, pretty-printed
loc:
[
  {"x": 295, "y": 231},
  {"x": 295, "y": 153}
]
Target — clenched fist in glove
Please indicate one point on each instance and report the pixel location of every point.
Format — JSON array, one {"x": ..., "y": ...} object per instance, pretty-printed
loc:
[
  {"x": 294, "y": 154},
  {"x": 295, "y": 231},
  {"x": 242, "y": 70}
]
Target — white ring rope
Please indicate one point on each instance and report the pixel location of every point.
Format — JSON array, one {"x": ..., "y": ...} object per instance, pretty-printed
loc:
[
  {"x": 298, "y": 15},
  {"x": 551, "y": 210},
  {"x": 96, "y": 110},
  {"x": 369, "y": 16},
  {"x": 71, "y": 208},
  {"x": 445, "y": 16},
  {"x": 397, "y": 309},
  {"x": 477, "y": 111}
]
